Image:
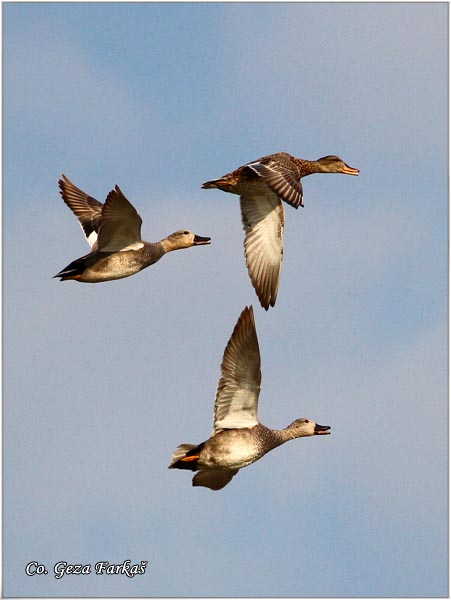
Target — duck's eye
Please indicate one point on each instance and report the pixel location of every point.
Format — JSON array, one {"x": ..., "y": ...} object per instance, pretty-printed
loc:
[
  {"x": 186, "y": 233},
  {"x": 306, "y": 421}
]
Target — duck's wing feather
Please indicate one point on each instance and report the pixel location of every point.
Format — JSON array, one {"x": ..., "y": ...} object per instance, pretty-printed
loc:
[
  {"x": 238, "y": 389},
  {"x": 263, "y": 220},
  {"x": 282, "y": 176},
  {"x": 87, "y": 209},
  {"x": 120, "y": 228},
  {"x": 215, "y": 480}
]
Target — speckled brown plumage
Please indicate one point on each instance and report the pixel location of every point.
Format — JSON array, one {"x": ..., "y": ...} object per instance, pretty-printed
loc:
[
  {"x": 280, "y": 172},
  {"x": 262, "y": 184}
]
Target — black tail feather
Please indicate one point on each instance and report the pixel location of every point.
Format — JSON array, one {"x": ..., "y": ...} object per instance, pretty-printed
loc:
[{"x": 73, "y": 271}]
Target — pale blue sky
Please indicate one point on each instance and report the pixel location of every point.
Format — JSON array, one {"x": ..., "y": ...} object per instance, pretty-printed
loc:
[{"x": 102, "y": 382}]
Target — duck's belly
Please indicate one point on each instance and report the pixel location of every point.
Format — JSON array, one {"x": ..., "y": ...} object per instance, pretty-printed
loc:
[
  {"x": 113, "y": 266},
  {"x": 230, "y": 449}
]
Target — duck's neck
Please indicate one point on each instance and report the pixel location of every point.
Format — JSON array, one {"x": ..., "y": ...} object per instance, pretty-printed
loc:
[
  {"x": 308, "y": 167},
  {"x": 167, "y": 245},
  {"x": 273, "y": 437},
  {"x": 153, "y": 251}
]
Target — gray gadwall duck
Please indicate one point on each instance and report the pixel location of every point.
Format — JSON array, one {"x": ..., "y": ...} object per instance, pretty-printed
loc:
[
  {"x": 262, "y": 184},
  {"x": 238, "y": 438},
  {"x": 113, "y": 230}
]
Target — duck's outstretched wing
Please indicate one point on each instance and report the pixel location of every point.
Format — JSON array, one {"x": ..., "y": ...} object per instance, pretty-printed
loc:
[
  {"x": 238, "y": 389},
  {"x": 120, "y": 228},
  {"x": 263, "y": 220},
  {"x": 87, "y": 209}
]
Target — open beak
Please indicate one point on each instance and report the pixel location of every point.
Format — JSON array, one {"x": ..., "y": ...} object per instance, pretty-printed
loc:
[
  {"x": 350, "y": 170},
  {"x": 199, "y": 240},
  {"x": 322, "y": 429}
]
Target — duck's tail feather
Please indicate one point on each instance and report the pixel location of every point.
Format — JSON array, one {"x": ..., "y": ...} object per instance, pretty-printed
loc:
[
  {"x": 72, "y": 271},
  {"x": 211, "y": 184},
  {"x": 185, "y": 457}
]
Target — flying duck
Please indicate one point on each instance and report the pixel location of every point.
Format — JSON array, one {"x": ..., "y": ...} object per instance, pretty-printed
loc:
[
  {"x": 261, "y": 185},
  {"x": 238, "y": 438},
  {"x": 113, "y": 230}
]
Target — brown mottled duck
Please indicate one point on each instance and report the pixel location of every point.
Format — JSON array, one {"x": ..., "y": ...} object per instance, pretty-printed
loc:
[{"x": 262, "y": 184}]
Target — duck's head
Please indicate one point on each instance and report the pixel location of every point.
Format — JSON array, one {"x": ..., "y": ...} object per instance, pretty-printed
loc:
[
  {"x": 186, "y": 239},
  {"x": 334, "y": 164},
  {"x": 305, "y": 427}
]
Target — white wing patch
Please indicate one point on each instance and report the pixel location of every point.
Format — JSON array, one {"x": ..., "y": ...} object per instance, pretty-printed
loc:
[
  {"x": 135, "y": 246},
  {"x": 92, "y": 237},
  {"x": 87, "y": 209}
]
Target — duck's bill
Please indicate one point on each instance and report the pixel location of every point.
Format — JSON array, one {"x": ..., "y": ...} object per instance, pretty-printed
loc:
[
  {"x": 199, "y": 240},
  {"x": 322, "y": 429},
  {"x": 350, "y": 170}
]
